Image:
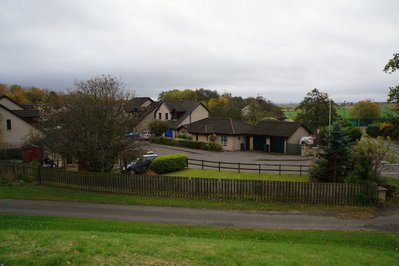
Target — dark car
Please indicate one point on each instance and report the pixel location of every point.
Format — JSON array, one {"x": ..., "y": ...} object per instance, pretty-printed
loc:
[
  {"x": 141, "y": 165},
  {"x": 48, "y": 163}
]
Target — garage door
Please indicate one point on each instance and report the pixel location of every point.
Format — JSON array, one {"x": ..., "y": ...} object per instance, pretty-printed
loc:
[
  {"x": 277, "y": 144},
  {"x": 259, "y": 143}
]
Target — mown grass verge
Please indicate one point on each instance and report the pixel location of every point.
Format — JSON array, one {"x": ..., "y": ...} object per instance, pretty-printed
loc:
[
  {"x": 235, "y": 175},
  {"x": 62, "y": 241}
]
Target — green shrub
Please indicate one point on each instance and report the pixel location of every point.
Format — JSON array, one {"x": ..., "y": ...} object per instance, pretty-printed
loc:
[
  {"x": 169, "y": 163},
  {"x": 373, "y": 130},
  {"x": 200, "y": 145},
  {"x": 183, "y": 136}
]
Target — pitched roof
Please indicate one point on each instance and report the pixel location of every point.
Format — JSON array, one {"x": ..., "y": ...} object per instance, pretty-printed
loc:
[
  {"x": 275, "y": 128},
  {"x": 138, "y": 101},
  {"x": 226, "y": 126},
  {"x": 11, "y": 100},
  {"x": 185, "y": 107},
  {"x": 14, "y": 113},
  {"x": 181, "y": 106},
  {"x": 28, "y": 113},
  {"x": 135, "y": 104}
]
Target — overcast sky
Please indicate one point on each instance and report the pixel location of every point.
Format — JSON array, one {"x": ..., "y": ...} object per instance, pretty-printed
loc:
[{"x": 276, "y": 49}]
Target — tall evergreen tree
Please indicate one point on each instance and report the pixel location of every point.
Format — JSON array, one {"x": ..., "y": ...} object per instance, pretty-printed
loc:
[{"x": 333, "y": 162}]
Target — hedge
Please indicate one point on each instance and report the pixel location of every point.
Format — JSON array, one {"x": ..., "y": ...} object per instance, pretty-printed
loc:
[
  {"x": 199, "y": 145},
  {"x": 169, "y": 163}
]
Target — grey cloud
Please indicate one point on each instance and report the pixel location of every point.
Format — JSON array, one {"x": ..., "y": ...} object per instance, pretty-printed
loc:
[{"x": 280, "y": 49}]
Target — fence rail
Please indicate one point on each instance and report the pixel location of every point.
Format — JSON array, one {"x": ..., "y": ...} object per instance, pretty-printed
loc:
[
  {"x": 250, "y": 167},
  {"x": 212, "y": 188}
]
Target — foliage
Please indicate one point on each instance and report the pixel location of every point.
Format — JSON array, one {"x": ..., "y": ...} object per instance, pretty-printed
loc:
[
  {"x": 314, "y": 110},
  {"x": 213, "y": 137},
  {"x": 93, "y": 124},
  {"x": 158, "y": 127},
  {"x": 169, "y": 163},
  {"x": 332, "y": 162},
  {"x": 373, "y": 130},
  {"x": 393, "y": 64},
  {"x": 226, "y": 106},
  {"x": 7, "y": 175},
  {"x": 184, "y": 136},
  {"x": 198, "y": 95},
  {"x": 353, "y": 132},
  {"x": 259, "y": 109},
  {"x": 365, "y": 109},
  {"x": 369, "y": 157},
  {"x": 32, "y": 95},
  {"x": 200, "y": 145},
  {"x": 386, "y": 129},
  {"x": 390, "y": 67}
]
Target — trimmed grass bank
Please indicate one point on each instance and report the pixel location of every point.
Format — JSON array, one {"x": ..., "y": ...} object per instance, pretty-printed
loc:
[{"x": 63, "y": 241}]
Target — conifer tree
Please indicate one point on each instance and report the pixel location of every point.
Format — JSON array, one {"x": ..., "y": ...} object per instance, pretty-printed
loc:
[{"x": 333, "y": 162}]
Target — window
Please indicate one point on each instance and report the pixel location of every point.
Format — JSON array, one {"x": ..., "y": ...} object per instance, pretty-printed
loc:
[
  {"x": 224, "y": 140},
  {"x": 159, "y": 116},
  {"x": 8, "y": 124},
  {"x": 166, "y": 116}
]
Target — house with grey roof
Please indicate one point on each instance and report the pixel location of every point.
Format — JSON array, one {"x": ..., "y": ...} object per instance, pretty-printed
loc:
[
  {"x": 267, "y": 136},
  {"x": 277, "y": 136},
  {"x": 230, "y": 133},
  {"x": 16, "y": 122}
]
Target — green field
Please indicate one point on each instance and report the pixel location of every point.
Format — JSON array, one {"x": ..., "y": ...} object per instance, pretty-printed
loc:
[
  {"x": 385, "y": 108},
  {"x": 27, "y": 240}
]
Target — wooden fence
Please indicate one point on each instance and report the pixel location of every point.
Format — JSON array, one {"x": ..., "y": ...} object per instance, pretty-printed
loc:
[
  {"x": 212, "y": 188},
  {"x": 250, "y": 167}
]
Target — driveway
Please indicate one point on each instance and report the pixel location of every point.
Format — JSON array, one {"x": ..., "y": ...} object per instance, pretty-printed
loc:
[
  {"x": 201, "y": 217},
  {"x": 230, "y": 156}
]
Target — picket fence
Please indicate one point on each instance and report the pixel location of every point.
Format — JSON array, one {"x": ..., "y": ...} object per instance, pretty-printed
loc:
[{"x": 213, "y": 188}]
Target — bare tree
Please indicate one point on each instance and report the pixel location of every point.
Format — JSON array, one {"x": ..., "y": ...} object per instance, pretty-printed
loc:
[{"x": 92, "y": 126}]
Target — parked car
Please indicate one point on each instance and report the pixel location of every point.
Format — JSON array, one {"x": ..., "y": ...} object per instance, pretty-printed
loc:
[
  {"x": 140, "y": 165},
  {"x": 48, "y": 163},
  {"x": 146, "y": 135}
]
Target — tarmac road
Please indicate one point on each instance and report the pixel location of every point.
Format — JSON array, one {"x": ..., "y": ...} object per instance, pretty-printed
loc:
[{"x": 203, "y": 217}]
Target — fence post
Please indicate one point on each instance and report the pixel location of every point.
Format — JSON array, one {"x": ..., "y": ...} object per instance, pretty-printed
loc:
[
  {"x": 202, "y": 164},
  {"x": 259, "y": 167},
  {"x": 279, "y": 169},
  {"x": 238, "y": 167},
  {"x": 300, "y": 169},
  {"x": 39, "y": 174},
  {"x": 219, "y": 166}
]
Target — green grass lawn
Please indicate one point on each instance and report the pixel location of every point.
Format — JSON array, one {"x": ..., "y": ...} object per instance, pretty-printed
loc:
[
  {"x": 236, "y": 175},
  {"x": 27, "y": 240}
]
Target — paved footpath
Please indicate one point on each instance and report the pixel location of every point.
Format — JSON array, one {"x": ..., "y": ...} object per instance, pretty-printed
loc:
[{"x": 202, "y": 217}]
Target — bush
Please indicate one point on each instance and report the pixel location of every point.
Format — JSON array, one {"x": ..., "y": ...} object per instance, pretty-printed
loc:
[
  {"x": 373, "y": 130},
  {"x": 184, "y": 136},
  {"x": 169, "y": 163},
  {"x": 200, "y": 145}
]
